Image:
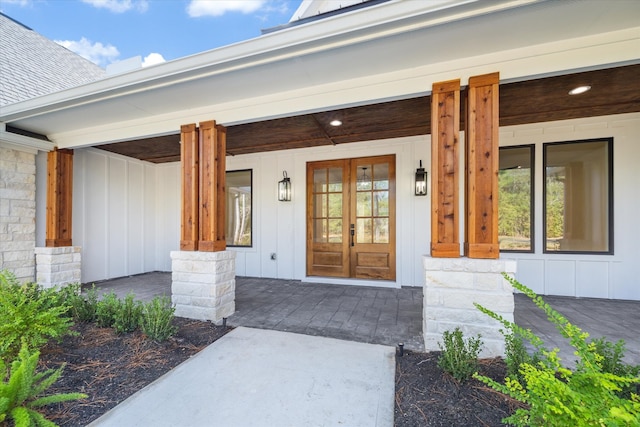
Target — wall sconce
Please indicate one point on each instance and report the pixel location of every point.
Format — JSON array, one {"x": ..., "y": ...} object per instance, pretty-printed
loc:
[
  {"x": 421, "y": 181},
  {"x": 284, "y": 188}
]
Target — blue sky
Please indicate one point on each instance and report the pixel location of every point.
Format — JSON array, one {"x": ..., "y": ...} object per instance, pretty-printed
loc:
[{"x": 107, "y": 31}]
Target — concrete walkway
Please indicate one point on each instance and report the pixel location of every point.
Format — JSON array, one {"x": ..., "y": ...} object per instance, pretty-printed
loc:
[{"x": 255, "y": 377}]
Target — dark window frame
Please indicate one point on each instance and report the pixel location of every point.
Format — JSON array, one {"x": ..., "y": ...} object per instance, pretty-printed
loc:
[
  {"x": 532, "y": 175},
  {"x": 610, "y": 225},
  {"x": 250, "y": 245}
]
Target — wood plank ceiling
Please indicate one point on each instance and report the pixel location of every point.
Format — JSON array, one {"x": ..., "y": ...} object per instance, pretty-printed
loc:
[{"x": 613, "y": 91}]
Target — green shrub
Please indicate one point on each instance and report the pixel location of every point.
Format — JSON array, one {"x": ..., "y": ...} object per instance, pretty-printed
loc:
[
  {"x": 127, "y": 316},
  {"x": 459, "y": 357},
  {"x": 107, "y": 309},
  {"x": 558, "y": 396},
  {"x": 612, "y": 363},
  {"x": 30, "y": 314},
  {"x": 157, "y": 317},
  {"x": 22, "y": 387},
  {"x": 84, "y": 307},
  {"x": 516, "y": 354}
]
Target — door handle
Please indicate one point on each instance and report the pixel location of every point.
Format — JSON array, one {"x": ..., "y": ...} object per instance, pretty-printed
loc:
[{"x": 353, "y": 232}]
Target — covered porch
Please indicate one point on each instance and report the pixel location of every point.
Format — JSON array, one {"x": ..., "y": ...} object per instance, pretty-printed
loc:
[{"x": 386, "y": 316}]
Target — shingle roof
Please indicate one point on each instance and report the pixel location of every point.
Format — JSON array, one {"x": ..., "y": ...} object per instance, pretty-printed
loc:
[{"x": 32, "y": 65}]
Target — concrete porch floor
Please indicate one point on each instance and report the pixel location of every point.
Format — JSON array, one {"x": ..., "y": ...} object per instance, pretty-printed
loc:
[{"x": 387, "y": 316}]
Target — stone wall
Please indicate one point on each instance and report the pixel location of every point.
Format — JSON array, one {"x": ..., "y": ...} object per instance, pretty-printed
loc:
[
  {"x": 452, "y": 286},
  {"x": 60, "y": 266},
  {"x": 203, "y": 284},
  {"x": 17, "y": 212}
]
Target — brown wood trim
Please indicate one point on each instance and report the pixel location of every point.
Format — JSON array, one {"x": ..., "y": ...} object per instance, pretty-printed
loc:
[
  {"x": 445, "y": 125},
  {"x": 445, "y": 250},
  {"x": 481, "y": 179},
  {"x": 212, "y": 187},
  {"x": 189, "y": 225},
  {"x": 59, "y": 198}
]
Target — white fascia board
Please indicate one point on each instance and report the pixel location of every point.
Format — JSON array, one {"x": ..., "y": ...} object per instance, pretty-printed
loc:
[
  {"x": 377, "y": 21},
  {"x": 591, "y": 52},
  {"x": 21, "y": 142}
]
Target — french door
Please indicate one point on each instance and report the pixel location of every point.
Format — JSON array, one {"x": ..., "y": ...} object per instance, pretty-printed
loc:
[{"x": 351, "y": 218}]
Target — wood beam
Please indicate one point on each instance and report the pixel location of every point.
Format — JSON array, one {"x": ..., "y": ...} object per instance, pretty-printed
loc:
[
  {"x": 481, "y": 189},
  {"x": 212, "y": 187},
  {"x": 189, "y": 153},
  {"x": 59, "y": 198},
  {"x": 445, "y": 126}
]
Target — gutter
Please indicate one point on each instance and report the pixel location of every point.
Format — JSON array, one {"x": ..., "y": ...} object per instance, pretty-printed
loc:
[{"x": 381, "y": 20}]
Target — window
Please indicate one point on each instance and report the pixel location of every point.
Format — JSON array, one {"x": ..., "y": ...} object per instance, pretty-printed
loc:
[
  {"x": 578, "y": 196},
  {"x": 238, "y": 220},
  {"x": 515, "y": 199}
]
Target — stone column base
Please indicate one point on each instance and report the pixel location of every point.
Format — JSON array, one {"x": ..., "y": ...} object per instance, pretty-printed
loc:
[
  {"x": 59, "y": 266},
  {"x": 452, "y": 286},
  {"x": 203, "y": 284}
]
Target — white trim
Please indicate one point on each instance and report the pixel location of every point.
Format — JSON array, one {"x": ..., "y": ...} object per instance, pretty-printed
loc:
[
  {"x": 351, "y": 282},
  {"x": 21, "y": 142}
]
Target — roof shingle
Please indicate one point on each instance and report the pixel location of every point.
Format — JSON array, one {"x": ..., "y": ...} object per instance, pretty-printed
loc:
[{"x": 32, "y": 65}]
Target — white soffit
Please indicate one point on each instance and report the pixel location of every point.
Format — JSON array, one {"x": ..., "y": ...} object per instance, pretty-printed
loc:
[{"x": 392, "y": 51}]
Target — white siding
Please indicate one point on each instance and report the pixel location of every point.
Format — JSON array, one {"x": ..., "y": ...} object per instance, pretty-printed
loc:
[
  {"x": 598, "y": 276},
  {"x": 127, "y": 212},
  {"x": 114, "y": 215}
]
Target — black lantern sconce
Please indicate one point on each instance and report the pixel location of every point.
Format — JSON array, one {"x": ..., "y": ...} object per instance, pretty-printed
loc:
[
  {"x": 421, "y": 181},
  {"x": 284, "y": 188}
]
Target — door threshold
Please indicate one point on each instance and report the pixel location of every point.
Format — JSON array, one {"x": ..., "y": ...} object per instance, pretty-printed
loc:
[{"x": 351, "y": 282}]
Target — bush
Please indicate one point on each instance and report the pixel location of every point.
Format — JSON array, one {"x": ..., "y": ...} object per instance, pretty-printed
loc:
[
  {"x": 82, "y": 307},
  {"x": 516, "y": 354},
  {"x": 21, "y": 387},
  {"x": 29, "y": 314},
  {"x": 107, "y": 309},
  {"x": 459, "y": 357},
  {"x": 557, "y": 396},
  {"x": 127, "y": 316},
  {"x": 157, "y": 317}
]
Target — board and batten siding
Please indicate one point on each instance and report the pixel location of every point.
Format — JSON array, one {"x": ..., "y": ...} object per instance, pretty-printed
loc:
[
  {"x": 582, "y": 275},
  {"x": 127, "y": 212}
]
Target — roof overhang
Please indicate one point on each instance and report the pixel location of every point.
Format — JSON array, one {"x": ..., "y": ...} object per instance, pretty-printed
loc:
[{"x": 390, "y": 51}]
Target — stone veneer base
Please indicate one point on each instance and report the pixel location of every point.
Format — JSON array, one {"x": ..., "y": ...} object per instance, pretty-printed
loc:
[
  {"x": 60, "y": 266},
  {"x": 452, "y": 286},
  {"x": 203, "y": 284}
]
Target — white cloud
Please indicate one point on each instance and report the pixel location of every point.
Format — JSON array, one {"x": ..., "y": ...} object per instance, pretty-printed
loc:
[
  {"x": 18, "y": 2},
  {"x": 197, "y": 8},
  {"x": 153, "y": 59},
  {"x": 119, "y": 6},
  {"x": 95, "y": 52}
]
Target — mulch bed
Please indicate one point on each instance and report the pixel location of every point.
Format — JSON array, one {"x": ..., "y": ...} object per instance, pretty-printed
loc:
[{"x": 110, "y": 367}]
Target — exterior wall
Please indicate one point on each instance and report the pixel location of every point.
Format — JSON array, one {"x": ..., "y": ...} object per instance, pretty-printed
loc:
[
  {"x": 597, "y": 276},
  {"x": 17, "y": 212},
  {"x": 127, "y": 212},
  {"x": 280, "y": 227}
]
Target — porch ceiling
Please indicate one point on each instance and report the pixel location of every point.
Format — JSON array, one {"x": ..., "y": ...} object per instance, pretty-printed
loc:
[{"x": 614, "y": 91}]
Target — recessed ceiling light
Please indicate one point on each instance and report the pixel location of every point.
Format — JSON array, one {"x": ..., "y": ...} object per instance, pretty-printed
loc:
[
  {"x": 580, "y": 89},
  {"x": 335, "y": 123}
]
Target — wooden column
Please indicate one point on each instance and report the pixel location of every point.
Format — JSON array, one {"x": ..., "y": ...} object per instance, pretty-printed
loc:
[
  {"x": 212, "y": 187},
  {"x": 481, "y": 194},
  {"x": 445, "y": 132},
  {"x": 59, "y": 198},
  {"x": 189, "y": 155}
]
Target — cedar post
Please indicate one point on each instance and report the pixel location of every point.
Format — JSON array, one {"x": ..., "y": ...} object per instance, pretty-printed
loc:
[
  {"x": 190, "y": 178},
  {"x": 481, "y": 193},
  {"x": 59, "y": 198},
  {"x": 445, "y": 131},
  {"x": 212, "y": 187}
]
